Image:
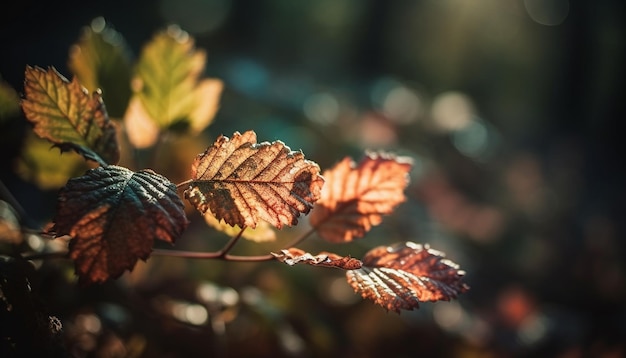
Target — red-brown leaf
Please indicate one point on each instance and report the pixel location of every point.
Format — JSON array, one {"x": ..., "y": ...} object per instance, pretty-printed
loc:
[
  {"x": 356, "y": 196},
  {"x": 294, "y": 256},
  {"x": 243, "y": 182},
  {"x": 400, "y": 276},
  {"x": 113, "y": 216}
]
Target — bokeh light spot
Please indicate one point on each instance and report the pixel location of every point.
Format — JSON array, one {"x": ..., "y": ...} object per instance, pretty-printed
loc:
[
  {"x": 452, "y": 111},
  {"x": 448, "y": 316},
  {"x": 322, "y": 108},
  {"x": 472, "y": 140}
]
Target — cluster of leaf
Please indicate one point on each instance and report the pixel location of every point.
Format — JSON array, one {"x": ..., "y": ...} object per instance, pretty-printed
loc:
[{"x": 112, "y": 215}]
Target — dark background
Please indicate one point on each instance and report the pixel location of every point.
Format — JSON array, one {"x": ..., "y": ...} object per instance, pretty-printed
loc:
[{"x": 526, "y": 195}]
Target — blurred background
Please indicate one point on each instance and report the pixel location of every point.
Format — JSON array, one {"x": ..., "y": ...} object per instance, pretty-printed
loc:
[{"x": 509, "y": 109}]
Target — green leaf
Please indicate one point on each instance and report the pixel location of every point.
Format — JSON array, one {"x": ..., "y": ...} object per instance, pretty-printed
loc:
[
  {"x": 9, "y": 102},
  {"x": 101, "y": 60},
  {"x": 44, "y": 166},
  {"x": 113, "y": 216},
  {"x": 66, "y": 114},
  {"x": 168, "y": 91}
]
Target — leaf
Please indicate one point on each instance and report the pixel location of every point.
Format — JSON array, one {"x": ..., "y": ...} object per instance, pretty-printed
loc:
[
  {"x": 262, "y": 233},
  {"x": 168, "y": 90},
  {"x": 243, "y": 182},
  {"x": 113, "y": 216},
  {"x": 43, "y": 165},
  {"x": 66, "y": 114},
  {"x": 101, "y": 60},
  {"x": 9, "y": 102},
  {"x": 294, "y": 256},
  {"x": 400, "y": 276},
  {"x": 357, "y": 196}
]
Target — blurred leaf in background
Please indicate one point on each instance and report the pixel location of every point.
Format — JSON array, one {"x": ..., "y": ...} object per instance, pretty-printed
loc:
[
  {"x": 168, "y": 89},
  {"x": 102, "y": 60}
]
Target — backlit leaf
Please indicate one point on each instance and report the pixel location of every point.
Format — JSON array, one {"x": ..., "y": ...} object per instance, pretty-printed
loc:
[
  {"x": 403, "y": 275},
  {"x": 66, "y": 114},
  {"x": 244, "y": 182},
  {"x": 356, "y": 196},
  {"x": 44, "y": 166},
  {"x": 168, "y": 89},
  {"x": 113, "y": 216},
  {"x": 262, "y": 233},
  {"x": 294, "y": 256},
  {"x": 101, "y": 60}
]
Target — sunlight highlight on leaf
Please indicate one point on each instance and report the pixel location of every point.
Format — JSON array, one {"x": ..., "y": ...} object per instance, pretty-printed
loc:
[
  {"x": 405, "y": 274},
  {"x": 66, "y": 114},
  {"x": 293, "y": 256},
  {"x": 141, "y": 130},
  {"x": 356, "y": 196},
  {"x": 113, "y": 216},
  {"x": 167, "y": 85},
  {"x": 262, "y": 233},
  {"x": 245, "y": 183}
]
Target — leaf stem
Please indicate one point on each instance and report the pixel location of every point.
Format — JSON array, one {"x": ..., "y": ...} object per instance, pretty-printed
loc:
[
  {"x": 223, "y": 253},
  {"x": 184, "y": 183}
]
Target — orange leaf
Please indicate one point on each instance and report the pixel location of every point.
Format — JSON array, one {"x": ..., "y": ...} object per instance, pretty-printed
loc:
[
  {"x": 400, "y": 276},
  {"x": 355, "y": 197},
  {"x": 113, "y": 216},
  {"x": 64, "y": 113},
  {"x": 243, "y": 182},
  {"x": 294, "y": 256}
]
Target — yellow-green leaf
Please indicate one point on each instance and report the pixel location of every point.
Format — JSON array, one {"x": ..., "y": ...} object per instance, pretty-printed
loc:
[
  {"x": 101, "y": 60},
  {"x": 9, "y": 102},
  {"x": 64, "y": 113},
  {"x": 262, "y": 233},
  {"x": 168, "y": 87},
  {"x": 44, "y": 166}
]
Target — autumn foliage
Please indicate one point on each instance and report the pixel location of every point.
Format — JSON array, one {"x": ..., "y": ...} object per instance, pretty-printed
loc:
[{"x": 112, "y": 215}]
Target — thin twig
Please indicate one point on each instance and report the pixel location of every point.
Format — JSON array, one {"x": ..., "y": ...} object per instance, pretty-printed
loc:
[
  {"x": 230, "y": 244},
  {"x": 223, "y": 253}
]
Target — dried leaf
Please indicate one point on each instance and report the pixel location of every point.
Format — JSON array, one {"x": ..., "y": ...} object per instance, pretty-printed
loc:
[
  {"x": 113, "y": 216},
  {"x": 243, "y": 182},
  {"x": 101, "y": 60},
  {"x": 262, "y": 233},
  {"x": 400, "y": 276},
  {"x": 66, "y": 114},
  {"x": 357, "y": 196},
  {"x": 168, "y": 89},
  {"x": 294, "y": 256}
]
